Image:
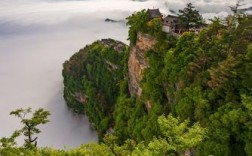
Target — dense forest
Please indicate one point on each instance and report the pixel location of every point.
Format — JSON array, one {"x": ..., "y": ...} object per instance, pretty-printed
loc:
[
  {"x": 92, "y": 79},
  {"x": 196, "y": 93}
]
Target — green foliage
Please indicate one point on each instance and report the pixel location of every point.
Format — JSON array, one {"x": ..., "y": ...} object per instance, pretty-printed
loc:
[
  {"x": 30, "y": 125},
  {"x": 10, "y": 142},
  {"x": 154, "y": 27},
  {"x": 179, "y": 135},
  {"x": 156, "y": 147},
  {"x": 203, "y": 79},
  {"x": 200, "y": 76},
  {"x": 137, "y": 23},
  {"x": 83, "y": 150},
  {"x": 92, "y": 79},
  {"x": 230, "y": 126},
  {"x": 122, "y": 114},
  {"x": 141, "y": 22},
  {"x": 175, "y": 136},
  {"x": 190, "y": 17}
]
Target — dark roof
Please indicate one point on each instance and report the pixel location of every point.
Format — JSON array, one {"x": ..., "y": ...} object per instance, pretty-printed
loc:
[{"x": 154, "y": 13}]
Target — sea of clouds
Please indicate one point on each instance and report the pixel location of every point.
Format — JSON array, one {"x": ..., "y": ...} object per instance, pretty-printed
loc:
[
  {"x": 37, "y": 36},
  {"x": 55, "y": 11},
  {"x": 16, "y": 16}
]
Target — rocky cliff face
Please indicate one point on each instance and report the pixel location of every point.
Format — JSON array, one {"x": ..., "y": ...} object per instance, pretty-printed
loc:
[
  {"x": 91, "y": 78},
  {"x": 137, "y": 62}
]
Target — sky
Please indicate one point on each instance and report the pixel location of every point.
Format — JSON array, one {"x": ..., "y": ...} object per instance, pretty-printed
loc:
[
  {"x": 49, "y": 12},
  {"x": 15, "y": 15},
  {"x": 37, "y": 36}
]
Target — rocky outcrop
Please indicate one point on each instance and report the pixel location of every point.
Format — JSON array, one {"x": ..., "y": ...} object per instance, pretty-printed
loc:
[
  {"x": 116, "y": 45},
  {"x": 137, "y": 62},
  {"x": 80, "y": 97},
  {"x": 91, "y": 77}
]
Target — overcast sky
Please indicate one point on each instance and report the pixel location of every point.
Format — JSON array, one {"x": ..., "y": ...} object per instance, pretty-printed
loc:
[{"x": 48, "y": 12}]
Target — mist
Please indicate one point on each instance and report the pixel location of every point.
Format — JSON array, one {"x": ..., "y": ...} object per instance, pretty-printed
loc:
[{"x": 37, "y": 36}]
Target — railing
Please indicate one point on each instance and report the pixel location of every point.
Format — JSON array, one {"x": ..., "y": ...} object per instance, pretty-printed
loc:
[{"x": 182, "y": 31}]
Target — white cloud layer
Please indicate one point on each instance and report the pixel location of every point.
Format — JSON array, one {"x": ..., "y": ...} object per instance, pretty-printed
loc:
[{"x": 54, "y": 11}]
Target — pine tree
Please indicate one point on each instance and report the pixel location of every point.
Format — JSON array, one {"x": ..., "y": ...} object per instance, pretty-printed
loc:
[{"x": 190, "y": 17}]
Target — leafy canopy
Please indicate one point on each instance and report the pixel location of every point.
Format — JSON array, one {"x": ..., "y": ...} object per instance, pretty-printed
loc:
[
  {"x": 30, "y": 124},
  {"x": 190, "y": 17}
]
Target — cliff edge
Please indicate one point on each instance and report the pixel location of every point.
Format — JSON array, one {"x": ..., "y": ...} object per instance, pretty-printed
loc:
[{"x": 137, "y": 62}]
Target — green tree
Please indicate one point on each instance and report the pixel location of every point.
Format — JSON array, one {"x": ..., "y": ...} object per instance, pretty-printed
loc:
[
  {"x": 230, "y": 130},
  {"x": 177, "y": 136},
  {"x": 92, "y": 79},
  {"x": 30, "y": 125},
  {"x": 9, "y": 142},
  {"x": 137, "y": 22},
  {"x": 190, "y": 17}
]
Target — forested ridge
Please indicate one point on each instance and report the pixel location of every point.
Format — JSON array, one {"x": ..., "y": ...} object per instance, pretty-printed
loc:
[
  {"x": 92, "y": 79},
  {"x": 196, "y": 93}
]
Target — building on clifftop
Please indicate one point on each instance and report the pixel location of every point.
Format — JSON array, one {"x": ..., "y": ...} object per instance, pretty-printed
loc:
[
  {"x": 155, "y": 13},
  {"x": 171, "y": 24}
]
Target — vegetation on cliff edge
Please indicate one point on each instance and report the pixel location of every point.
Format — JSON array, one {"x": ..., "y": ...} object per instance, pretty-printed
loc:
[
  {"x": 92, "y": 79},
  {"x": 196, "y": 93},
  {"x": 203, "y": 78}
]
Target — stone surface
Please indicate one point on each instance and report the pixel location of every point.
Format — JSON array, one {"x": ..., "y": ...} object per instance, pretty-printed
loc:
[{"x": 137, "y": 62}]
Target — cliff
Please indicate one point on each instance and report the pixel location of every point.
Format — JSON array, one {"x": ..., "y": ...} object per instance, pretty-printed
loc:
[
  {"x": 137, "y": 62},
  {"x": 91, "y": 80},
  {"x": 203, "y": 83}
]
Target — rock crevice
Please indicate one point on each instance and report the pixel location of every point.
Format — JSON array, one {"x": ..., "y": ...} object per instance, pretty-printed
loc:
[{"x": 137, "y": 62}]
